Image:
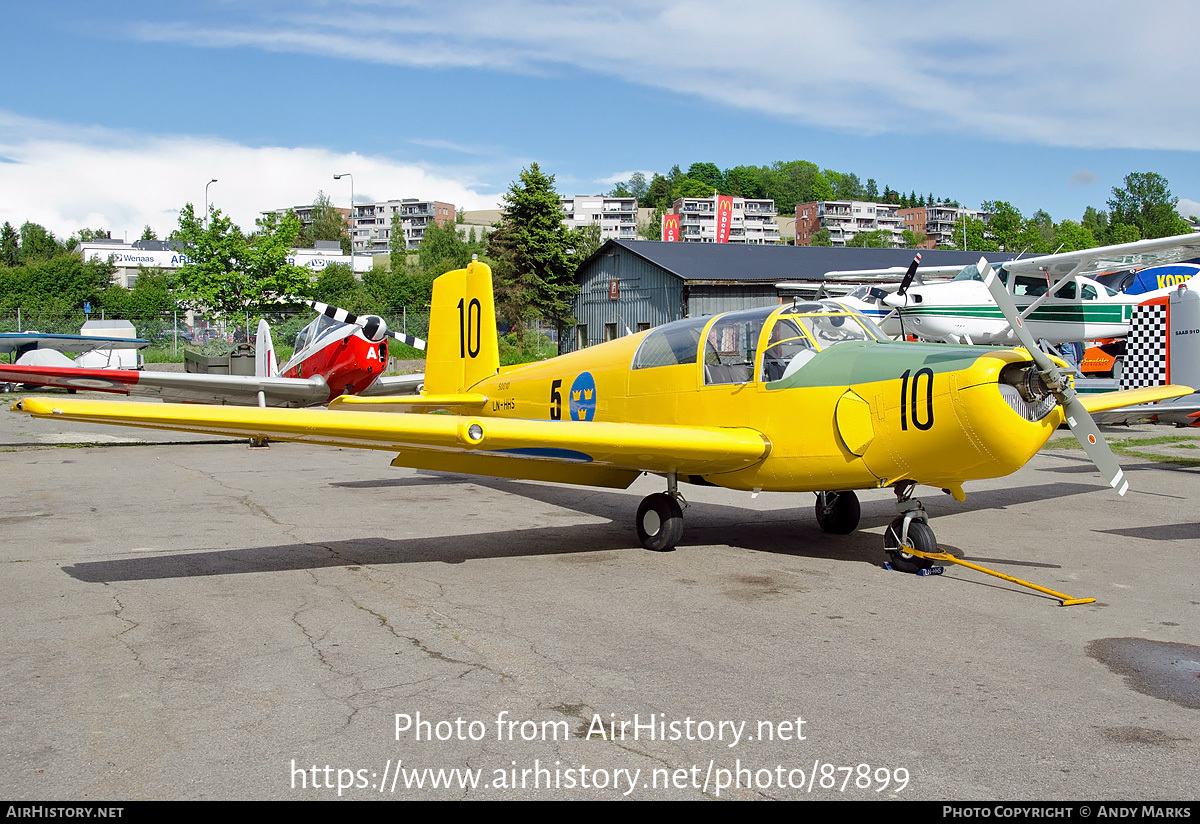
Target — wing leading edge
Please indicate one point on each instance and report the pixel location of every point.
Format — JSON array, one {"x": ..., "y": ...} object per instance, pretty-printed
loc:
[
  {"x": 603, "y": 454},
  {"x": 175, "y": 386}
]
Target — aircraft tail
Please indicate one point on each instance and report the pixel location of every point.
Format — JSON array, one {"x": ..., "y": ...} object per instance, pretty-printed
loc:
[
  {"x": 265, "y": 365},
  {"x": 463, "y": 349}
]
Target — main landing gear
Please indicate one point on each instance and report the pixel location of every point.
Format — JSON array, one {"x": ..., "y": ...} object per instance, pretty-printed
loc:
[{"x": 660, "y": 518}]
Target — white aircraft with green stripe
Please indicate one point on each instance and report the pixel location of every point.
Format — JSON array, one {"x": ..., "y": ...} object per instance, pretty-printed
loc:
[{"x": 1056, "y": 299}]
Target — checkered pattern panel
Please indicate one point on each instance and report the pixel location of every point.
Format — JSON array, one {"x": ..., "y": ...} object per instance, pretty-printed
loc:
[{"x": 1146, "y": 348}]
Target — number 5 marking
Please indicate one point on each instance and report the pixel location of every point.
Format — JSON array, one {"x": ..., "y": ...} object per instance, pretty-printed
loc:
[{"x": 555, "y": 400}]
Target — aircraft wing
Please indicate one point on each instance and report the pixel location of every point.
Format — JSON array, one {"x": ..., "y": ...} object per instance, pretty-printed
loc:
[
  {"x": 22, "y": 341},
  {"x": 1092, "y": 262},
  {"x": 1169, "y": 403},
  {"x": 584, "y": 452},
  {"x": 394, "y": 385},
  {"x": 894, "y": 274},
  {"x": 238, "y": 390}
]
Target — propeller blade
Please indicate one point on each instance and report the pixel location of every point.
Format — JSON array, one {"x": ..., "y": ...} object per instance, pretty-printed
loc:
[
  {"x": 371, "y": 325},
  {"x": 907, "y": 280},
  {"x": 1082, "y": 426}
]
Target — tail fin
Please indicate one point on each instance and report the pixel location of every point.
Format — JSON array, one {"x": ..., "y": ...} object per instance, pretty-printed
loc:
[
  {"x": 265, "y": 365},
  {"x": 463, "y": 349}
]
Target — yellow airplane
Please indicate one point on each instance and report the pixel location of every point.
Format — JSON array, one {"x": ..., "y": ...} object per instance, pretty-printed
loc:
[{"x": 800, "y": 397}]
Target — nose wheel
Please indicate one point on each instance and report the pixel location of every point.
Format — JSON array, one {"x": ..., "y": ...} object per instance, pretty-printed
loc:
[{"x": 909, "y": 530}]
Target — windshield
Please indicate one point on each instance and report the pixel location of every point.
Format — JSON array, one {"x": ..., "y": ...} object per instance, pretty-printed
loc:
[{"x": 314, "y": 330}]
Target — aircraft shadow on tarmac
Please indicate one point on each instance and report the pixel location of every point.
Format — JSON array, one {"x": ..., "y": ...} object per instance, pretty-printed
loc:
[{"x": 783, "y": 532}]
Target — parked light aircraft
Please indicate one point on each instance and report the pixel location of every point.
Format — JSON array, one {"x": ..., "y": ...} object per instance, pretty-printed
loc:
[
  {"x": 1057, "y": 300},
  {"x": 21, "y": 342},
  {"x": 803, "y": 397},
  {"x": 338, "y": 353}
]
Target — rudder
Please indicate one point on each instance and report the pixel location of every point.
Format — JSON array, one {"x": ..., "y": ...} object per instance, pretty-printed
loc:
[
  {"x": 463, "y": 349},
  {"x": 265, "y": 365}
]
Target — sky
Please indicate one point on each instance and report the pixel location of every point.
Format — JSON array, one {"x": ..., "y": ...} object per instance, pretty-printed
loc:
[{"x": 116, "y": 114}]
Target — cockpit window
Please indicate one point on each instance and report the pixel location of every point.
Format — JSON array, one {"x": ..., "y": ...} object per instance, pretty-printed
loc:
[
  {"x": 731, "y": 345},
  {"x": 971, "y": 272},
  {"x": 671, "y": 344},
  {"x": 787, "y": 346},
  {"x": 314, "y": 330}
]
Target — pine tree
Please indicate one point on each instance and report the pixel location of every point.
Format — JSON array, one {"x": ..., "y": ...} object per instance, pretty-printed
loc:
[{"x": 533, "y": 251}]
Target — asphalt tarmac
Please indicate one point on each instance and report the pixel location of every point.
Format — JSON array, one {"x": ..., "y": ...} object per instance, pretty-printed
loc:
[{"x": 188, "y": 618}]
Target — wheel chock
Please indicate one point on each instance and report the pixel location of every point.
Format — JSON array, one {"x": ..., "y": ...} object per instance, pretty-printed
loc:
[{"x": 1063, "y": 600}]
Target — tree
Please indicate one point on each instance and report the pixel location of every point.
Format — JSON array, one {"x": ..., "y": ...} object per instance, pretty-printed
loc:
[
  {"x": 638, "y": 186},
  {"x": 1073, "y": 237},
  {"x": 327, "y": 224},
  {"x": 708, "y": 174},
  {"x": 1004, "y": 226},
  {"x": 1147, "y": 203},
  {"x": 10, "y": 245},
  {"x": 978, "y": 239},
  {"x": 878, "y": 239},
  {"x": 443, "y": 249},
  {"x": 911, "y": 239},
  {"x": 37, "y": 243},
  {"x": 230, "y": 274},
  {"x": 535, "y": 266},
  {"x": 821, "y": 188},
  {"x": 148, "y": 233},
  {"x": 821, "y": 237}
]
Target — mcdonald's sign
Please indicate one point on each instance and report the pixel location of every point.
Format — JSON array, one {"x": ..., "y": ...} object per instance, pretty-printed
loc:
[
  {"x": 670, "y": 227},
  {"x": 724, "y": 217}
]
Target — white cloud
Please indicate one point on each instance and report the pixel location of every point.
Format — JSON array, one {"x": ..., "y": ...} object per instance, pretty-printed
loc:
[
  {"x": 1023, "y": 71},
  {"x": 1187, "y": 208},
  {"x": 68, "y": 178}
]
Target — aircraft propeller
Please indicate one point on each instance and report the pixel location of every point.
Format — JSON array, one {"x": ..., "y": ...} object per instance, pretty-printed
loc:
[
  {"x": 373, "y": 326},
  {"x": 907, "y": 280},
  {"x": 1081, "y": 423}
]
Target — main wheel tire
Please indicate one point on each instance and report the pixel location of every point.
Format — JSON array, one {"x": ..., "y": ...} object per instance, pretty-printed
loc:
[
  {"x": 838, "y": 512},
  {"x": 920, "y": 538},
  {"x": 659, "y": 522}
]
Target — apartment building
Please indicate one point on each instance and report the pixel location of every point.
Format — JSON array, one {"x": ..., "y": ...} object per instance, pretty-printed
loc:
[
  {"x": 754, "y": 220},
  {"x": 937, "y": 222},
  {"x": 616, "y": 216},
  {"x": 371, "y": 225},
  {"x": 846, "y": 218}
]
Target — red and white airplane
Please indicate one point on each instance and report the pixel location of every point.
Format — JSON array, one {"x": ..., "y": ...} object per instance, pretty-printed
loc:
[{"x": 337, "y": 354}]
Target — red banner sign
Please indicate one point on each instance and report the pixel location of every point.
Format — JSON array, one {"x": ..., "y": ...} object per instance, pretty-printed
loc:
[
  {"x": 724, "y": 217},
  {"x": 670, "y": 227},
  {"x": 614, "y": 290}
]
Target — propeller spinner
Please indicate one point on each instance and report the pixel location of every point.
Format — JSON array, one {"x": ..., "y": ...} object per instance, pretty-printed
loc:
[
  {"x": 1081, "y": 423},
  {"x": 373, "y": 326}
]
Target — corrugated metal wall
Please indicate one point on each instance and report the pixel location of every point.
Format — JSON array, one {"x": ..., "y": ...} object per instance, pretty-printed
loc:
[
  {"x": 712, "y": 300},
  {"x": 646, "y": 295}
]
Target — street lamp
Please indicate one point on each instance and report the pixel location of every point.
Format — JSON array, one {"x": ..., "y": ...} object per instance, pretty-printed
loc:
[
  {"x": 339, "y": 177},
  {"x": 206, "y": 185}
]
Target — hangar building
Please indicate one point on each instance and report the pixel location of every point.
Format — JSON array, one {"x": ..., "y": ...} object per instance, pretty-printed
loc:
[{"x": 630, "y": 285}]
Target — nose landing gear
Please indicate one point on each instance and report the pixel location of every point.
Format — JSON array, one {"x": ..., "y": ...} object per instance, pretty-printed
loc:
[{"x": 909, "y": 530}]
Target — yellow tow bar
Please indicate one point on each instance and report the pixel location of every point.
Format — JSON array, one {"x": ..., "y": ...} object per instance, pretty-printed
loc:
[{"x": 1064, "y": 600}]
